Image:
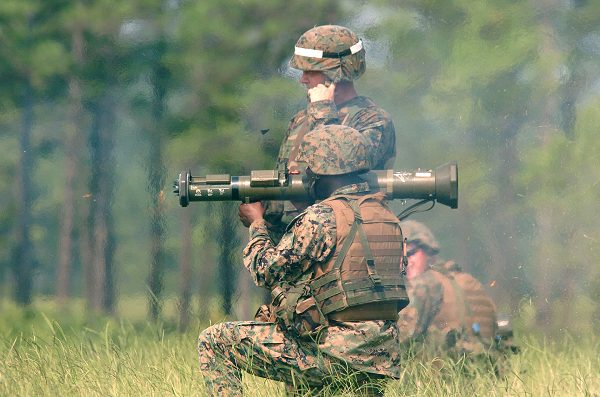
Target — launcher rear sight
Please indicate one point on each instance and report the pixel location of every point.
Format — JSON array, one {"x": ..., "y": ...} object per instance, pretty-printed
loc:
[{"x": 436, "y": 185}]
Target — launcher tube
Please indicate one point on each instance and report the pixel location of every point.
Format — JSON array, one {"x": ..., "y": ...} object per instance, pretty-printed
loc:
[{"x": 440, "y": 185}]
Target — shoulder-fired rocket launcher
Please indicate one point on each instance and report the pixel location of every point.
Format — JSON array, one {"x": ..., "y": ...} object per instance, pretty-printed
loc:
[{"x": 439, "y": 185}]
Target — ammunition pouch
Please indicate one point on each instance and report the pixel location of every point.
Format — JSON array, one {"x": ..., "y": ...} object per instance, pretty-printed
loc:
[
  {"x": 296, "y": 311},
  {"x": 368, "y": 312}
]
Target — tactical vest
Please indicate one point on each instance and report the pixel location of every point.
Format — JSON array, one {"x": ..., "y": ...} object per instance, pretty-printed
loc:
[
  {"x": 363, "y": 278},
  {"x": 290, "y": 147},
  {"x": 466, "y": 307}
]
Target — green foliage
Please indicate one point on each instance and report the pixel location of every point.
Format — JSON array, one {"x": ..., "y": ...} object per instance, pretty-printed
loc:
[
  {"x": 227, "y": 68},
  {"x": 565, "y": 170},
  {"x": 507, "y": 88}
]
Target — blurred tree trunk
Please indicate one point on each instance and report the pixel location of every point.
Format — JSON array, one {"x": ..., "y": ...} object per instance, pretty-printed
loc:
[
  {"x": 207, "y": 266},
  {"x": 100, "y": 215},
  {"x": 228, "y": 261},
  {"x": 106, "y": 190},
  {"x": 23, "y": 252},
  {"x": 156, "y": 180},
  {"x": 185, "y": 262},
  {"x": 85, "y": 247},
  {"x": 73, "y": 146}
]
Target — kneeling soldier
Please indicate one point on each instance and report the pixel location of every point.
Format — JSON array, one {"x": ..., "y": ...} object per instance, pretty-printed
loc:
[
  {"x": 333, "y": 277},
  {"x": 449, "y": 310}
]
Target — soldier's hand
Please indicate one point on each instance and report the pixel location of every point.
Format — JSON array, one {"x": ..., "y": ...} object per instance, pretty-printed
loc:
[
  {"x": 251, "y": 212},
  {"x": 322, "y": 92}
]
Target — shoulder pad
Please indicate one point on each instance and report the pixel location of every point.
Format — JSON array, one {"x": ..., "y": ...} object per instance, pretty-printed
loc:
[
  {"x": 293, "y": 221},
  {"x": 315, "y": 209}
]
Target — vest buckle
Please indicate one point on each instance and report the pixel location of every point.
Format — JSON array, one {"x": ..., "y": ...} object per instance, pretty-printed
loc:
[{"x": 375, "y": 278}]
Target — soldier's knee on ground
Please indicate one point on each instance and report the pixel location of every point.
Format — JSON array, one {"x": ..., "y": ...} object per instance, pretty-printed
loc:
[{"x": 213, "y": 338}]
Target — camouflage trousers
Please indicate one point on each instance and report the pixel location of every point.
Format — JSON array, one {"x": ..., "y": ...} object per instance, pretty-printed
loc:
[{"x": 227, "y": 349}]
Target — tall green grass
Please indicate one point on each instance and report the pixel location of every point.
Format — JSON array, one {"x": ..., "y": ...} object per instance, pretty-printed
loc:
[{"x": 53, "y": 353}]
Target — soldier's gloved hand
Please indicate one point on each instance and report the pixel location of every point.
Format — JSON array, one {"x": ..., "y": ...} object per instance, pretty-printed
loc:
[
  {"x": 322, "y": 92},
  {"x": 251, "y": 212}
]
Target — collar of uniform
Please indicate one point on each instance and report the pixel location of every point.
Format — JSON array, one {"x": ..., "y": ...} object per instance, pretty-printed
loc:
[
  {"x": 353, "y": 188},
  {"x": 358, "y": 100}
]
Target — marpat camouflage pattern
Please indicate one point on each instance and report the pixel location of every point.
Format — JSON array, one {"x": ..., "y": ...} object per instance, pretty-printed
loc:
[
  {"x": 262, "y": 348},
  {"x": 331, "y": 39}
]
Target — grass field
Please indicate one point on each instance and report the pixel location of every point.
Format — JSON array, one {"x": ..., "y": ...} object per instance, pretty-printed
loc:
[{"x": 47, "y": 352}]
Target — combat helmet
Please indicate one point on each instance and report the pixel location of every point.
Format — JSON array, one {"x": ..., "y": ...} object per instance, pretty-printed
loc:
[
  {"x": 334, "y": 50},
  {"x": 420, "y": 235},
  {"x": 335, "y": 150}
]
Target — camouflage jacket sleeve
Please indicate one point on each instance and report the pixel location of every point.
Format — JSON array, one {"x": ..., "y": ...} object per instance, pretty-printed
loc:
[
  {"x": 377, "y": 126},
  {"x": 311, "y": 239},
  {"x": 426, "y": 296}
]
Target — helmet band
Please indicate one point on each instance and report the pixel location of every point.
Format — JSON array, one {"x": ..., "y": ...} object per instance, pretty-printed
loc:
[{"x": 310, "y": 53}]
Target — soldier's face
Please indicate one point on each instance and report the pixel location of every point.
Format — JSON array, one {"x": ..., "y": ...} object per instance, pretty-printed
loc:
[
  {"x": 417, "y": 261},
  {"x": 312, "y": 78}
]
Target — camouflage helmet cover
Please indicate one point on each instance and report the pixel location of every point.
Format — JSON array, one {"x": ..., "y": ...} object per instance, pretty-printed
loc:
[
  {"x": 332, "y": 49},
  {"x": 335, "y": 150},
  {"x": 419, "y": 234}
]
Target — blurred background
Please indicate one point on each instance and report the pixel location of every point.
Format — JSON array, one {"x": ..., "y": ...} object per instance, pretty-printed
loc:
[{"x": 104, "y": 102}]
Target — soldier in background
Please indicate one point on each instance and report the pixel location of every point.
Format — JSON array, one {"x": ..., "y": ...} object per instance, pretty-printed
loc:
[
  {"x": 331, "y": 57},
  {"x": 449, "y": 309},
  {"x": 334, "y": 280}
]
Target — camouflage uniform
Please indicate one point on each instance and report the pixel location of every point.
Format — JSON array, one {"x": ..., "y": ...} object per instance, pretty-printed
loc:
[
  {"x": 448, "y": 308},
  {"x": 263, "y": 349},
  {"x": 447, "y": 315},
  {"x": 366, "y": 349},
  {"x": 339, "y": 54},
  {"x": 360, "y": 112}
]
